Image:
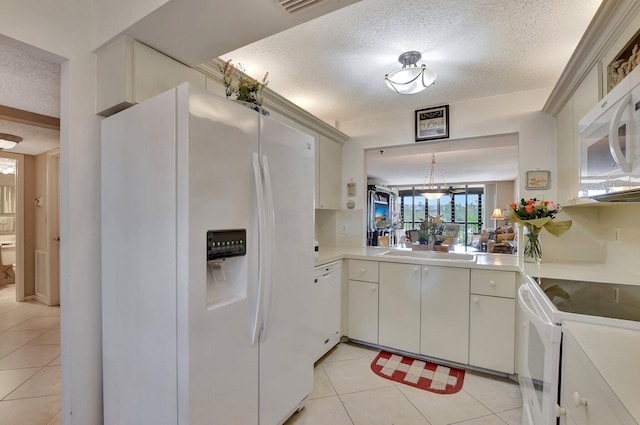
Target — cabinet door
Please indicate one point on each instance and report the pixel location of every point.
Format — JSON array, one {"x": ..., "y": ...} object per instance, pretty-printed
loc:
[
  {"x": 326, "y": 311},
  {"x": 363, "y": 311},
  {"x": 330, "y": 175},
  {"x": 445, "y": 313},
  {"x": 400, "y": 306},
  {"x": 585, "y": 394},
  {"x": 492, "y": 333}
]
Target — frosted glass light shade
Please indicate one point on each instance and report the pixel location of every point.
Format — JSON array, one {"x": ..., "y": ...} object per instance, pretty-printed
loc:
[
  {"x": 7, "y": 144},
  {"x": 410, "y": 80},
  {"x": 433, "y": 195}
]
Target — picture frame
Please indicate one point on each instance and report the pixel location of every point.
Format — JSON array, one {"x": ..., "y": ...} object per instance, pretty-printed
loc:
[
  {"x": 538, "y": 180},
  {"x": 432, "y": 123}
]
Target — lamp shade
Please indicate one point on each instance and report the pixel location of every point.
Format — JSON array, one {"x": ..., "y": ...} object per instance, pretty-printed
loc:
[{"x": 497, "y": 214}]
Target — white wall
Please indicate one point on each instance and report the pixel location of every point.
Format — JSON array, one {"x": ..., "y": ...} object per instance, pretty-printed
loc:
[
  {"x": 111, "y": 17},
  {"x": 511, "y": 113},
  {"x": 60, "y": 31}
]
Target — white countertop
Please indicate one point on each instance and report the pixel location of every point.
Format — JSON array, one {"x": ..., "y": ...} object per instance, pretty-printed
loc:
[
  {"x": 483, "y": 260},
  {"x": 615, "y": 353}
]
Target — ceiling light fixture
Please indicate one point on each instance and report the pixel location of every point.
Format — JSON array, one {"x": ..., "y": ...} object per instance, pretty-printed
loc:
[
  {"x": 410, "y": 78},
  {"x": 9, "y": 141},
  {"x": 432, "y": 192}
]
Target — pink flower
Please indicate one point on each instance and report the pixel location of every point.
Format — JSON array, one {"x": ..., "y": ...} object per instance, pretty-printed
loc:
[{"x": 551, "y": 206}]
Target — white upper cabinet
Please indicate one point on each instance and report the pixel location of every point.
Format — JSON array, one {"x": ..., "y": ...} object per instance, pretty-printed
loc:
[
  {"x": 329, "y": 174},
  {"x": 130, "y": 72},
  {"x": 583, "y": 99}
]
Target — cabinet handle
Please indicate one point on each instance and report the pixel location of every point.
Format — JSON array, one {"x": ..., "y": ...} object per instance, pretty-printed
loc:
[
  {"x": 362, "y": 270},
  {"x": 560, "y": 411},
  {"x": 578, "y": 400},
  {"x": 426, "y": 270},
  {"x": 374, "y": 287},
  {"x": 415, "y": 269},
  {"x": 492, "y": 283},
  {"x": 476, "y": 300},
  {"x": 524, "y": 324}
]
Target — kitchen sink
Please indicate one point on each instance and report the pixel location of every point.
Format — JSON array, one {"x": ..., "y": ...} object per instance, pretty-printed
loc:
[{"x": 431, "y": 255}]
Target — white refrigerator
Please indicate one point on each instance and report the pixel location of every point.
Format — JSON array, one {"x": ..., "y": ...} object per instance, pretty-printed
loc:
[{"x": 207, "y": 263}]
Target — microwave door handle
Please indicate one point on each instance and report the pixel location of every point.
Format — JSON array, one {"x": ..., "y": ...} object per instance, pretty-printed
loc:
[{"x": 614, "y": 142}]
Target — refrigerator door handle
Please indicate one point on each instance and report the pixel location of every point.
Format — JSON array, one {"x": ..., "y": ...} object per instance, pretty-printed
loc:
[
  {"x": 267, "y": 254},
  {"x": 257, "y": 175}
]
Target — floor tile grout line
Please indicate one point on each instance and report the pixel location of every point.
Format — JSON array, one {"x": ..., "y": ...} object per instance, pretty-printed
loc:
[
  {"x": 479, "y": 417},
  {"x": 411, "y": 402},
  {"x": 13, "y": 390}
]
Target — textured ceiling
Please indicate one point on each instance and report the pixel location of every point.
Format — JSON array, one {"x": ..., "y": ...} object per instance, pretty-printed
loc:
[
  {"x": 334, "y": 65},
  {"x": 33, "y": 85}
]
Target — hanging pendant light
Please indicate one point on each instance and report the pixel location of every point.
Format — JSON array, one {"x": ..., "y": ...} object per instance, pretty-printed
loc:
[
  {"x": 432, "y": 192},
  {"x": 410, "y": 78}
]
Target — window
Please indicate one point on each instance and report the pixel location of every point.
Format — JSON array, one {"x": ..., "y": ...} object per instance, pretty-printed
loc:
[{"x": 462, "y": 206}]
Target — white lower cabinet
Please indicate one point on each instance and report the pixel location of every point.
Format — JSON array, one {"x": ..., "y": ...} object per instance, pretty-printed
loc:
[
  {"x": 457, "y": 314},
  {"x": 399, "y": 320},
  {"x": 363, "y": 311},
  {"x": 492, "y": 333},
  {"x": 444, "y": 324},
  {"x": 586, "y": 396}
]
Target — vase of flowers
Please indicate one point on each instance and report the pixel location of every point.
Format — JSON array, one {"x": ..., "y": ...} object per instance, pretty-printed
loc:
[
  {"x": 533, "y": 244},
  {"x": 431, "y": 231},
  {"x": 247, "y": 91},
  {"x": 535, "y": 215}
]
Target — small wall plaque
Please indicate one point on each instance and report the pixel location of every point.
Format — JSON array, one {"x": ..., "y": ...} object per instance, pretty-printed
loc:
[{"x": 538, "y": 180}]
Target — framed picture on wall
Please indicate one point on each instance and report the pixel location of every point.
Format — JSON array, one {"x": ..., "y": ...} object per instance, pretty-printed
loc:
[
  {"x": 432, "y": 123},
  {"x": 538, "y": 180}
]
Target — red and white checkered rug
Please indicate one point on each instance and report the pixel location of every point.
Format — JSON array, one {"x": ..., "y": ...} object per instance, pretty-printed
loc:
[{"x": 417, "y": 373}]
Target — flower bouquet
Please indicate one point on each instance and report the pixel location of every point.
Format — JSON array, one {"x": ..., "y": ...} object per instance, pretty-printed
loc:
[
  {"x": 535, "y": 215},
  {"x": 246, "y": 89}
]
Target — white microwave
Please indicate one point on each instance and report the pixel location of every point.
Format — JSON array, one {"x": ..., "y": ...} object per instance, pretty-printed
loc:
[{"x": 610, "y": 145}]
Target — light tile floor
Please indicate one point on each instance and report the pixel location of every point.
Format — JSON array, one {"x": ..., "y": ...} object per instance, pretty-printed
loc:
[
  {"x": 29, "y": 361},
  {"x": 347, "y": 392}
]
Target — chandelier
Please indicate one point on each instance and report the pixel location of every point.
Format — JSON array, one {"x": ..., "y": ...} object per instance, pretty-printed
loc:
[
  {"x": 432, "y": 192},
  {"x": 410, "y": 78}
]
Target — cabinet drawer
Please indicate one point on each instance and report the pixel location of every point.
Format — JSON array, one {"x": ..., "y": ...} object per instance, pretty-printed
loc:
[
  {"x": 366, "y": 271},
  {"x": 493, "y": 283}
]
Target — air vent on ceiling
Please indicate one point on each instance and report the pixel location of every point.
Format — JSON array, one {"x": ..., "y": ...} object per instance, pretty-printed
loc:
[{"x": 295, "y": 6}]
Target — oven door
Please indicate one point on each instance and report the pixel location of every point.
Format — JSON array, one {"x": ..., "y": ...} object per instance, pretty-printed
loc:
[{"x": 540, "y": 359}]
